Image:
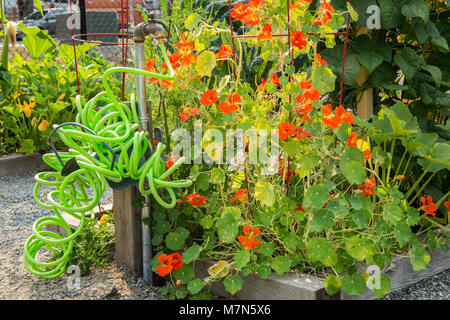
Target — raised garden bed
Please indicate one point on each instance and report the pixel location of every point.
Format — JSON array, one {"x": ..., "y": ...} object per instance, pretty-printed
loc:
[
  {"x": 300, "y": 286},
  {"x": 18, "y": 163}
]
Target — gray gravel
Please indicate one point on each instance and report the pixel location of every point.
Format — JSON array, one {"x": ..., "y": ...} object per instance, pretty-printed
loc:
[{"x": 18, "y": 211}]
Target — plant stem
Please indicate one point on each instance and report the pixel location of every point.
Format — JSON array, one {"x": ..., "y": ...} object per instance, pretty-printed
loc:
[
  {"x": 423, "y": 187},
  {"x": 388, "y": 174},
  {"x": 410, "y": 191}
]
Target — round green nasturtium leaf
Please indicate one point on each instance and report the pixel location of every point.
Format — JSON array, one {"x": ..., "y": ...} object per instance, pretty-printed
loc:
[
  {"x": 320, "y": 250},
  {"x": 384, "y": 288},
  {"x": 185, "y": 273},
  {"x": 207, "y": 222},
  {"x": 339, "y": 207},
  {"x": 191, "y": 253},
  {"x": 323, "y": 219},
  {"x": 202, "y": 181},
  {"x": 195, "y": 286},
  {"x": 316, "y": 196},
  {"x": 352, "y": 165},
  {"x": 332, "y": 285},
  {"x": 403, "y": 233},
  {"x": 281, "y": 264},
  {"x": 217, "y": 176},
  {"x": 419, "y": 257},
  {"x": 233, "y": 284},
  {"x": 175, "y": 241},
  {"x": 412, "y": 216},
  {"x": 359, "y": 248},
  {"x": 393, "y": 213},
  {"x": 361, "y": 218},
  {"x": 264, "y": 193},
  {"x": 353, "y": 284},
  {"x": 181, "y": 292},
  {"x": 228, "y": 225},
  {"x": 263, "y": 271},
  {"x": 266, "y": 248},
  {"x": 241, "y": 258}
]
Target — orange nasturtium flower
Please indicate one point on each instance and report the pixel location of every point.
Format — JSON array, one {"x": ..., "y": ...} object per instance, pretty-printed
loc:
[
  {"x": 266, "y": 32},
  {"x": 353, "y": 140},
  {"x": 298, "y": 40},
  {"x": 240, "y": 195},
  {"x": 299, "y": 4},
  {"x": 169, "y": 262},
  {"x": 334, "y": 121},
  {"x": 325, "y": 11},
  {"x": 249, "y": 242},
  {"x": 209, "y": 98},
  {"x": 286, "y": 130},
  {"x": 447, "y": 204},
  {"x": 240, "y": 11},
  {"x": 304, "y": 112},
  {"x": 185, "y": 49},
  {"x": 44, "y": 125},
  {"x": 174, "y": 60},
  {"x": 276, "y": 80},
  {"x": 228, "y": 107},
  {"x": 428, "y": 206},
  {"x": 301, "y": 133},
  {"x": 224, "y": 52},
  {"x": 195, "y": 200},
  {"x": 320, "y": 62},
  {"x": 171, "y": 161},
  {"x": 367, "y": 187}
]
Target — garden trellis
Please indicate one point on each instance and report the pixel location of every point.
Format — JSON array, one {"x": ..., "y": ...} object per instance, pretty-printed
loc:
[{"x": 288, "y": 35}]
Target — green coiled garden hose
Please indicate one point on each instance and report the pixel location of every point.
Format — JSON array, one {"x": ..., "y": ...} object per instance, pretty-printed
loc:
[{"x": 105, "y": 144}]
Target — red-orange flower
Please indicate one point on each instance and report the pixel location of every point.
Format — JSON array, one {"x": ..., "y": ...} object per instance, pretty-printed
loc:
[
  {"x": 234, "y": 98},
  {"x": 185, "y": 49},
  {"x": 304, "y": 112},
  {"x": 310, "y": 95},
  {"x": 195, "y": 200},
  {"x": 325, "y": 11},
  {"x": 255, "y": 3},
  {"x": 286, "y": 130},
  {"x": 209, "y": 98},
  {"x": 249, "y": 242},
  {"x": 262, "y": 86},
  {"x": 301, "y": 133},
  {"x": 228, "y": 107},
  {"x": 320, "y": 62},
  {"x": 224, "y": 52},
  {"x": 305, "y": 84},
  {"x": 367, "y": 187},
  {"x": 240, "y": 10},
  {"x": 266, "y": 32},
  {"x": 252, "y": 19},
  {"x": 184, "y": 116},
  {"x": 276, "y": 80},
  {"x": 174, "y": 61},
  {"x": 447, "y": 204},
  {"x": 150, "y": 67},
  {"x": 169, "y": 262},
  {"x": 334, "y": 121},
  {"x": 298, "y": 39},
  {"x": 367, "y": 154},
  {"x": 171, "y": 161},
  {"x": 428, "y": 205},
  {"x": 240, "y": 195},
  {"x": 352, "y": 140},
  {"x": 299, "y": 4}
]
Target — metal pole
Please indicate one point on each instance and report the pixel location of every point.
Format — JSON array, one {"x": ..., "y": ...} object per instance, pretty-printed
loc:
[{"x": 143, "y": 118}]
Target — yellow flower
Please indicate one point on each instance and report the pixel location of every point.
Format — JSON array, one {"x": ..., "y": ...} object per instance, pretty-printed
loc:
[
  {"x": 44, "y": 125},
  {"x": 16, "y": 95},
  {"x": 27, "y": 108},
  {"x": 103, "y": 219}
]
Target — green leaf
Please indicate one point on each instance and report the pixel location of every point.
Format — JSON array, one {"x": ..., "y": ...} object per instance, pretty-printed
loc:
[
  {"x": 323, "y": 219},
  {"x": 195, "y": 286},
  {"x": 391, "y": 15},
  {"x": 175, "y": 241},
  {"x": 281, "y": 264},
  {"x": 408, "y": 70},
  {"x": 207, "y": 222},
  {"x": 181, "y": 293},
  {"x": 38, "y": 5},
  {"x": 412, "y": 216},
  {"x": 339, "y": 207},
  {"x": 217, "y": 176},
  {"x": 202, "y": 181},
  {"x": 352, "y": 12},
  {"x": 206, "y": 62},
  {"x": 419, "y": 257},
  {"x": 320, "y": 250},
  {"x": 359, "y": 248},
  {"x": 370, "y": 60},
  {"x": 192, "y": 21},
  {"x": 324, "y": 79},
  {"x": 241, "y": 258},
  {"x": 265, "y": 193},
  {"x": 353, "y": 284},
  {"x": 361, "y": 218},
  {"x": 393, "y": 213},
  {"x": 435, "y": 73},
  {"x": 316, "y": 196},
  {"x": 191, "y": 253},
  {"x": 266, "y": 248},
  {"x": 416, "y": 9},
  {"x": 403, "y": 233},
  {"x": 227, "y": 225},
  {"x": 385, "y": 287},
  {"x": 263, "y": 271},
  {"x": 37, "y": 41},
  {"x": 332, "y": 285},
  {"x": 185, "y": 273},
  {"x": 233, "y": 284},
  {"x": 351, "y": 165}
]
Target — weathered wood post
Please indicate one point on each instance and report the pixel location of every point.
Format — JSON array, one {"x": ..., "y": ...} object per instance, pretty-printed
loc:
[{"x": 365, "y": 98}]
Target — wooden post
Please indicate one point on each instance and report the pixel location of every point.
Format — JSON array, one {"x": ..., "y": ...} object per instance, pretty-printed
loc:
[
  {"x": 127, "y": 223},
  {"x": 365, "y": 99}
]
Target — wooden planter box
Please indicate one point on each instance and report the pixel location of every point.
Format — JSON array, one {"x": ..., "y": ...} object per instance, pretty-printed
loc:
[
  {"x": 299, "y": 286},
  {"x": 18, "y": 163}
]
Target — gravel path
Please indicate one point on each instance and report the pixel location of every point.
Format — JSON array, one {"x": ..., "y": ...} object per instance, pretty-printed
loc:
[{"x": 18, "y": 211}]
